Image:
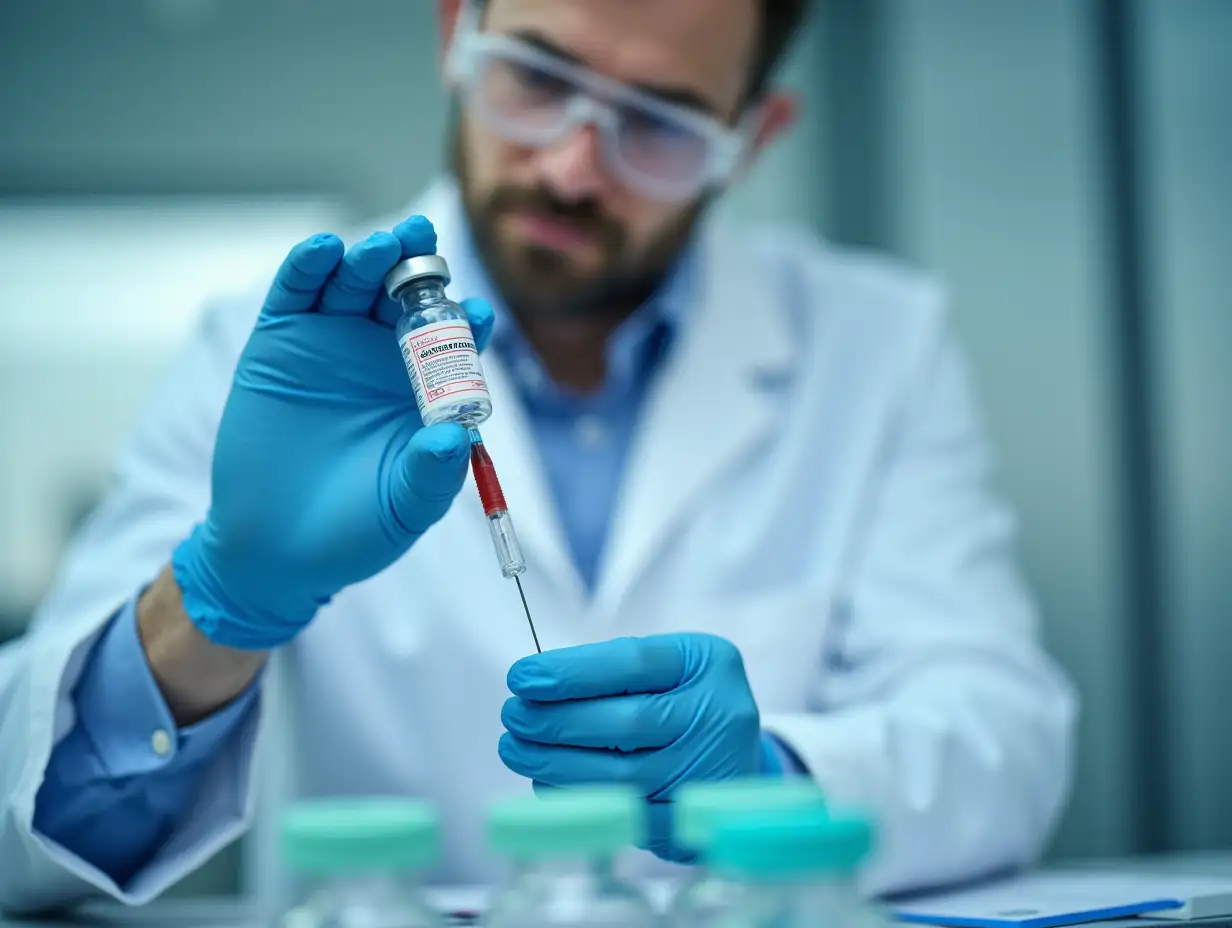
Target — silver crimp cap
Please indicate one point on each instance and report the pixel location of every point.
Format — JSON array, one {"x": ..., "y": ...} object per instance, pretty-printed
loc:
[{"x": 415, "y": 268}]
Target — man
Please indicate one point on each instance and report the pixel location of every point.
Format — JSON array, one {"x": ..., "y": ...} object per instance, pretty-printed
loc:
[{"x": 744, "y": 468}]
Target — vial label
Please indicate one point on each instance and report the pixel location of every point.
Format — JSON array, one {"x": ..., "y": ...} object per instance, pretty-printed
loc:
[{"x": 443, "y": 365}]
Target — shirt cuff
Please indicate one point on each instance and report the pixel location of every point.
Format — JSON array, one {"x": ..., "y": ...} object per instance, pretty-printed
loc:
[{"x": 123, "y": 714}]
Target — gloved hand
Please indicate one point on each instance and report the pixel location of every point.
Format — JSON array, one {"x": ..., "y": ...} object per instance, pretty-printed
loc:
[
  {"x": 651, "y": 712},
  {"x": 323, "y": 473}
]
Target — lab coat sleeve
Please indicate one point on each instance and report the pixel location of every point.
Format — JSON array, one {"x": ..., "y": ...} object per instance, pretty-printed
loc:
[
  {"x": 936, "y": 707},
  {"x": 110, "y": 796},
  {"x": 160, "y": 489}
]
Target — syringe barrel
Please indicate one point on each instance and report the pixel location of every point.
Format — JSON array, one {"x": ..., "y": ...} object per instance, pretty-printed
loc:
[{"x": 505, "y": 540}]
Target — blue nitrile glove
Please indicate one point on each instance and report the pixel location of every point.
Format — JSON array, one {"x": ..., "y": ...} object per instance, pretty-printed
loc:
[
  {"x": 651, "y": 712},
  {"x": 323, "y": 472}
]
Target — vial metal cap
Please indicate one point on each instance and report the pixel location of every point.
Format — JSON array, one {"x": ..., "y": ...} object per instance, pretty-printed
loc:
[{"x": 415, "y": 268}]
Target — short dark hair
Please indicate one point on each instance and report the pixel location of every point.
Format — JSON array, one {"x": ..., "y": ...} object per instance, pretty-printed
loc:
[{"x": 780, "y": 21}]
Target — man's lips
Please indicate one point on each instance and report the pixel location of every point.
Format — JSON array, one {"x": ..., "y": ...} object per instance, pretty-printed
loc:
[{"x": 551, "y": 231}]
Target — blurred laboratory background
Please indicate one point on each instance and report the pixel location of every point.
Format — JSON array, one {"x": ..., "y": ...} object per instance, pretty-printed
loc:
[{"x": 1066, "y": 165}]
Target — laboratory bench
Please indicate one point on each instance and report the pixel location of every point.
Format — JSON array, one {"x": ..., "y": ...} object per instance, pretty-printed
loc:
[{"x": 224, "y": 912}]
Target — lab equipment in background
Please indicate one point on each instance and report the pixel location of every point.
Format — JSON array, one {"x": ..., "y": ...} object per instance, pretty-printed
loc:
[
  {"x": 700, "y": 807},
  {"x": 791, "y": 870},
  {"x": 360, "y": 856},
  {"x": 563, "y": 846},
  {"x": 442, "y": 361}
]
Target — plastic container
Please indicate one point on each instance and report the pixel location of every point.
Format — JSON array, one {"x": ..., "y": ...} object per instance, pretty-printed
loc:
[
  {"x": 359, "y": 859},
  {"x": 698, "y": 810},
  {"x": 793, "y": 870},
  {"x": 563, "y": 847}
]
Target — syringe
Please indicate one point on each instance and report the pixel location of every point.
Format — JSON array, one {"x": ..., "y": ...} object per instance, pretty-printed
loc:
[
  {"x": 504, "y": 539},
  {"x": 442, "y": 361}
]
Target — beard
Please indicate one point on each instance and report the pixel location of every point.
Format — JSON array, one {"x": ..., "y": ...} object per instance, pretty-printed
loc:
[{"x": 539, "y": 282}]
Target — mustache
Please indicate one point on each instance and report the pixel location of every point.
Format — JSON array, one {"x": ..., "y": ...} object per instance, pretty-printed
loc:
[{"x": 586, "y": 214}]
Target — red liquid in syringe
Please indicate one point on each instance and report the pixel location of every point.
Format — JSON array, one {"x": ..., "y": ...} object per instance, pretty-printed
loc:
[{"x": 504, "y": 539}]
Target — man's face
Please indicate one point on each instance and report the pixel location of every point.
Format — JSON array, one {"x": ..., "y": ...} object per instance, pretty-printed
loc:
[{"x": 557, "y": 230}]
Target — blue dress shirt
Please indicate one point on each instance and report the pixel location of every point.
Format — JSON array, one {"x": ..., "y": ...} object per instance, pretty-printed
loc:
[
  {"x": 112, "y": 794},
  {"x": 124, "y": 774}
]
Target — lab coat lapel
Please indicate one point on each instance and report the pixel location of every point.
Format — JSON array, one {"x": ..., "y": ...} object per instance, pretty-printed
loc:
[
  {"x": 508, "y": 437},
  {"x": 507, "y": 434},
  {"x": 707, "y": 410}
]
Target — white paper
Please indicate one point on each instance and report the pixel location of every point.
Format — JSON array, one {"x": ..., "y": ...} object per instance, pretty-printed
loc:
[{"x": 1052, "y": 895}]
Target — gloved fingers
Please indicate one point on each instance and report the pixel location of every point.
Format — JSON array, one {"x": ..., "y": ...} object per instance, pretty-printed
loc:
[
  {"x": 607, "y": 668},
  {"x": 304, "y": 271},
  {"x": 359, "y": 279},
  {"x": 618, "y": 723},
  {"x": 426, "y": 475},
  {"x": 481, "y": 318},
  {"x": 659, "y": 825},
  {"x": 416, "y": 237},
  {"x": 554, "y": 765}
]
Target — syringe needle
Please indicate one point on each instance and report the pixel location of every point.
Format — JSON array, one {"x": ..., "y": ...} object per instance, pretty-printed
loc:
[{"x": 529, "y": 620}]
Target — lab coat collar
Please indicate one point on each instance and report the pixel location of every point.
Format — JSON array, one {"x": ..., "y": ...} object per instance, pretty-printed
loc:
[{"x": 706, "y": 408}]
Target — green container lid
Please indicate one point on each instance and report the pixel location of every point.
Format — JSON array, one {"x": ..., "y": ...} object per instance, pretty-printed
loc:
[
  {"x": 349, "y": 834},
  {"x": 700, "y": 806},
  {"x": 790, "y": 845},
  {"x": 577, "y": 822}
]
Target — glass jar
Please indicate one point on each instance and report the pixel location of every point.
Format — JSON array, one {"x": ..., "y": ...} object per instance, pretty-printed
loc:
[
  {"x": 792, "y": 871},
  {"x": 358, "y": 858},
  {"x": 699, "y": 807},
  {"x": 563, "y": 847}
]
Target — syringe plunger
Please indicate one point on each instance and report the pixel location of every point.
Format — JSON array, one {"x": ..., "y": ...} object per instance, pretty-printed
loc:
[{"x": 508, "y": 552}]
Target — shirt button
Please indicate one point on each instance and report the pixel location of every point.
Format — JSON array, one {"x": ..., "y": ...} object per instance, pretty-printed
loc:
[
  {"x": 591, "y": 432},
  {"x": 160, "y": 741}
]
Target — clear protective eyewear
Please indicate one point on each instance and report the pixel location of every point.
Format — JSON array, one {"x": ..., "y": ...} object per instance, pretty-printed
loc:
[{"x": 532, "y": 98}]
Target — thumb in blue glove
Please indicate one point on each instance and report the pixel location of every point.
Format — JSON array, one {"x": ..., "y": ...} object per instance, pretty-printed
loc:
[
  {"x": 323, "y": 473},
  {"x": 651, "y": 712}
]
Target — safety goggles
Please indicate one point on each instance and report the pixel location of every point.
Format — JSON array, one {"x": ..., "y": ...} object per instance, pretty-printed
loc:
[{"x": 532, "y": 98}]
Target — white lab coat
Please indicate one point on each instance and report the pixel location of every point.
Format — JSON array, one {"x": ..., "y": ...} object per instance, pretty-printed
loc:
[{"x": 808, "y": 480}]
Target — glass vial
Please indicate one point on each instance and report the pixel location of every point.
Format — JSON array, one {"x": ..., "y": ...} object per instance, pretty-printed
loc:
[
  {"x": 797, "y": 870},
  {"x": 698, "y": 810},
  {"x": 437, "y": 344},
  {"x": 563, "y": 848},
  {"x": 358, "y": 858}
]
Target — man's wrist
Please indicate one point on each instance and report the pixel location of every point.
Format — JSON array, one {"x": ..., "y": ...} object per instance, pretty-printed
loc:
[{"x": 196, "y": 676}]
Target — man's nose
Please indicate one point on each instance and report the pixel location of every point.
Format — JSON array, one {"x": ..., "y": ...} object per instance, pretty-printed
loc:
[{"x": 573, "y": 169}]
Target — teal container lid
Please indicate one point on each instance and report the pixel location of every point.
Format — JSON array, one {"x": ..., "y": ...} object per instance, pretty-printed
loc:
[
  {"x": 700, "y": 806},
  {"x": 589, "y": 821},
  {"x": 350, "y": 834},
  {"x": 790, "y": 845}
]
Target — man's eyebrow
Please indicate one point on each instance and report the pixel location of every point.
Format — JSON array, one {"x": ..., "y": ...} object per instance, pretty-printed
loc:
[{"x": 681, "y": 96}]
